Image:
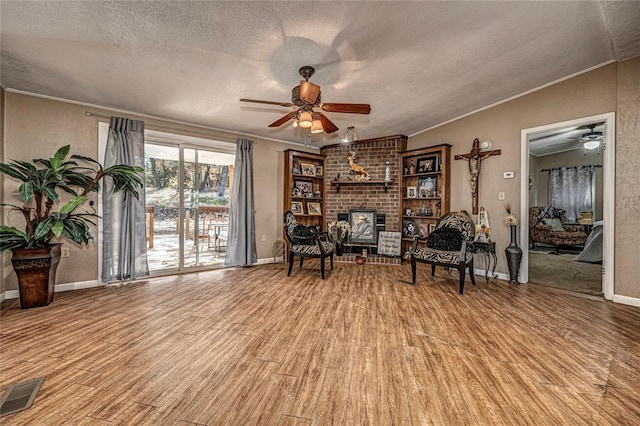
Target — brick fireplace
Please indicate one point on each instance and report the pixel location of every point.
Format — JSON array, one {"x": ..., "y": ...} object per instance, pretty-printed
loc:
[{"x": 372, "y": 154}]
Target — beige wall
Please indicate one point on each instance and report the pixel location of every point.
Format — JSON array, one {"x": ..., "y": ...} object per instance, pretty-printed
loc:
[
  {"x": 615, "y": 87},
  {"x": 3, "y": 259},
  {"x": 36, "y": 127},
  {"x": 627, "y": 235},
  {"x": 575, "y": 157}
]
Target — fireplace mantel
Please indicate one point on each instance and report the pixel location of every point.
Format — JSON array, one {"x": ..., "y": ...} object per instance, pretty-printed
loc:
[{"x": 339, "y": 183}]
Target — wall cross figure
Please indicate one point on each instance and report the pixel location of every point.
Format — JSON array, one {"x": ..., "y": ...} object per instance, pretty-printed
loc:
[{"x": 474, "y": 158}]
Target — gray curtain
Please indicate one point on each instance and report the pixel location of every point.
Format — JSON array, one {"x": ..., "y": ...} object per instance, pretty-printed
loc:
[
  {"x": 124, "y": 243},
  {"x": 241, "y": 245},
  {"x": 570, "y": 189}
]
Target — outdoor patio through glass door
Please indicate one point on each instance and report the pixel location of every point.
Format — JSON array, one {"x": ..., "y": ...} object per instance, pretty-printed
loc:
[{"x": 187, "y": 202}]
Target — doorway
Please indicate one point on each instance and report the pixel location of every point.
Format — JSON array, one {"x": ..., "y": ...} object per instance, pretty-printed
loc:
[{"x": 530, "y": 174}]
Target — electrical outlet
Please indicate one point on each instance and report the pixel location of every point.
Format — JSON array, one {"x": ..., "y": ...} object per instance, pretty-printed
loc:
[
  {"x": 500, "y": 195},
  {"x": 64, "y": 251},
  {"x": 264, "y": 237}
]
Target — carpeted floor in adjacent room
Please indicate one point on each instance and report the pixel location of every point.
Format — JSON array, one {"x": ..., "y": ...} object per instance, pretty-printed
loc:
[{"x": 561, "y": 271}]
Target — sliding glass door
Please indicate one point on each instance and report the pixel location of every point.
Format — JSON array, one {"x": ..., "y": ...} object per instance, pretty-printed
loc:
[{"x": 187, "y": 198}]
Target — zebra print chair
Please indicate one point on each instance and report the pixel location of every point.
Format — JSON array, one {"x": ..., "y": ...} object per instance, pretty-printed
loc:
[
  {"x": 307, "y": 241},
  {"x": 450, "y": 246}
]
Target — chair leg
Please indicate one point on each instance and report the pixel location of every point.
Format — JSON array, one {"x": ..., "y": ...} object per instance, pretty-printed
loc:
[
  {"x": 472, "y": 274},
  {"x": 322, "y": 267},
  {"x": 413, "y": 270},
  {"x": 433, "y": 270},
  {"x": 332, "y": 261},
  {"x": 461, "y": 269},
  {"x": 301, "y": 260},
  {"x": 290, "y": 263}
]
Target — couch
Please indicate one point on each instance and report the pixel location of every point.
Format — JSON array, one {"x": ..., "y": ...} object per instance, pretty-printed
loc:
[{"x": 548, "y": 225}]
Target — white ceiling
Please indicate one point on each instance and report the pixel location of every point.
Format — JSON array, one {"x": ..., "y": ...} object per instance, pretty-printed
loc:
[
  {"x": 418, "y": 64},
  {"x": 561, "y": 140}
]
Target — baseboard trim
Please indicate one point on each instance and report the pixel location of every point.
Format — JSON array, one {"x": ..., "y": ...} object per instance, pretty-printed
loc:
[
  {"x": 14, "y": 294},
  {"x": 269, "y": 260},
  {"x": 626, "y": 300},
  {"x": 500, "y": 275}
]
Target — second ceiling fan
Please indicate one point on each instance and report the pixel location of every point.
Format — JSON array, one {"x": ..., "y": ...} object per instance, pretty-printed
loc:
[{"x": 306, "y": 97}]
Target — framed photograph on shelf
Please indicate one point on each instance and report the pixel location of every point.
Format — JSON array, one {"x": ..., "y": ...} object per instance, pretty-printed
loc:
[
  {"x": 363, "y": 226},
  {"x": 308, "y": 169},
  {"x": 412, "y": 192},
  {"x": 319, "y": 170},
  {"x": 432, "y": 227},
  {"x": 422, "y": 232},
  {"x": 409, "y": 228},
  {"x": 428, "y": 164},
  {"x": 304, "y": 187},
  {"x": 314, "y": 208},
  {"x": 296, "y": 207},
  {"x": 296, "y": 167},
  {"x": 428, "y": 186}
]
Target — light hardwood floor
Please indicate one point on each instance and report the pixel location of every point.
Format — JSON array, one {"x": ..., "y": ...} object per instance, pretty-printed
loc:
[{"x": 251, "y": 346}]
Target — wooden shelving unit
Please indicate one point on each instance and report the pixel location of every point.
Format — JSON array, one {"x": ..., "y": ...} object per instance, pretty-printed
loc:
[
  {"x": 299, "y": 183},
  {"x": 425, "y": 190}
]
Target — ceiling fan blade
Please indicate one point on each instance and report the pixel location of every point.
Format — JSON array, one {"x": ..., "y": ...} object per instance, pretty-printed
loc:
[
  {"x": 327, "y": 125},
  {"x": 309, "y": 92},
  {"x": 348, "y": 108},
  {"x": 283, "y": 119},
  {"x": 256, "y": 101}
]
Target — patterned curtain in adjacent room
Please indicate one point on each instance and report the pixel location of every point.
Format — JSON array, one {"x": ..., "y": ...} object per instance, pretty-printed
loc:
[
  {"x": 124, "y": 240},
  {"x": 241, "y": 244},
  {"x": 570, "y": 189}
]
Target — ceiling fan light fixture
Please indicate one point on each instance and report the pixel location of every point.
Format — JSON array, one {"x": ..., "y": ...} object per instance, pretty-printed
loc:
[
  {"x": 350, "y": 135},
  {"x": 305, "y": 121},
  {"x": 594, "y": 144},
  {"x": 316, "y": 126}
]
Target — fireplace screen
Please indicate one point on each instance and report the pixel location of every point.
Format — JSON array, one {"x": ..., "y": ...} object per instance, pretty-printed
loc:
[{"x": 363, "y": 226}]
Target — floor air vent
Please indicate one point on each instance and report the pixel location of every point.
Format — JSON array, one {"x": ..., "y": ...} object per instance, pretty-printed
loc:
[{"x": 19, "y": 396}]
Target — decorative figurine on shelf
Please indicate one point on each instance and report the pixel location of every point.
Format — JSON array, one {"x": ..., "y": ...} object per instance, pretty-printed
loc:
[
  {"x": 387, "y": 170},
  {"x": 412, "y": 167},
  {"x": 356, "y": 170},
  {"x": 438, "y": 208}
]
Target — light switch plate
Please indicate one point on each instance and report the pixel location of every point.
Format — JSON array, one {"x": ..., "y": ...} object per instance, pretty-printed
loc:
[{"x": 508, "y": 175}]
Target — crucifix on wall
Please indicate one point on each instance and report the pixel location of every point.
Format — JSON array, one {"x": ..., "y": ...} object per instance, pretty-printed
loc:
[{"x": 474, "y": 158}]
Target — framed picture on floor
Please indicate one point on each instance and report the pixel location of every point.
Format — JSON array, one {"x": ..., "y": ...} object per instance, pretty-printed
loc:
[{"x": 363, "y": 226}]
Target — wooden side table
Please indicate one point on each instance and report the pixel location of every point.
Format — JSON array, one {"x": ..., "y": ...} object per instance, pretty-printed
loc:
[{"x": 489, "y": 251}]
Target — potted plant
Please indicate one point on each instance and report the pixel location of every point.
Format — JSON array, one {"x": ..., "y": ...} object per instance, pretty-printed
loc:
[
  {"x": 341, "y": 229},
  {"x": 36, "y": 250}
]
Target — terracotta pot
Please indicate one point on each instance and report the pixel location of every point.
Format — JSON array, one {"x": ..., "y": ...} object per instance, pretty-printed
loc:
[{"x": 36, "y": 271}]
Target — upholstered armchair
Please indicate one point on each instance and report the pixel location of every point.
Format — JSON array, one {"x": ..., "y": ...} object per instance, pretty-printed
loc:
[
  {"x": 450, "y": 246},
  {"x": 307, "y": 241},
  {"x": 548, "y": 225}
]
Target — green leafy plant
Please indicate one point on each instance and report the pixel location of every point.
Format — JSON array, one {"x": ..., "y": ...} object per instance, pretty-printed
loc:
[{"x": 43, "y": 180}]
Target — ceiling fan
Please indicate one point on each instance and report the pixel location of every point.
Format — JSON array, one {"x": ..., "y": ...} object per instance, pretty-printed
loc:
[{"x": 306, "y": 97}]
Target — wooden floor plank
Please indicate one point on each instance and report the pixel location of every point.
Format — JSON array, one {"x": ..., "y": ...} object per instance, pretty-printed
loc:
[{"x": 253, "y": 346}]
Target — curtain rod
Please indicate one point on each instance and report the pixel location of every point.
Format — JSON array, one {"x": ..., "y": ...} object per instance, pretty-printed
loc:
[
  {"x": 108, "y": 117},
  {"x": 573, "y": 167}
]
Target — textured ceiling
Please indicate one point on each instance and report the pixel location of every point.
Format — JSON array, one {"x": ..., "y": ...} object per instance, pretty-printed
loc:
[{"x": 418, "y": 64}]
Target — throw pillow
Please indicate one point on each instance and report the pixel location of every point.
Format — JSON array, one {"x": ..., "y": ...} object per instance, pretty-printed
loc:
[
  {"x": 303, "y": 231},
  {"x": 446, "y": 239},
  {"x": 554, "y": 224}
]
